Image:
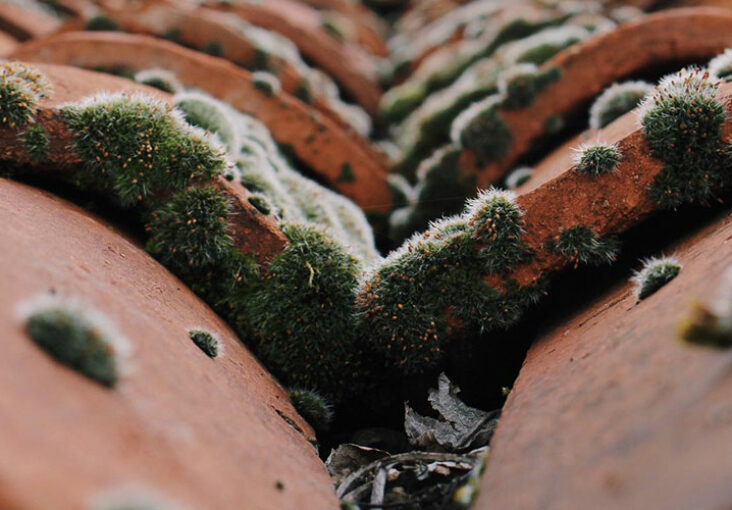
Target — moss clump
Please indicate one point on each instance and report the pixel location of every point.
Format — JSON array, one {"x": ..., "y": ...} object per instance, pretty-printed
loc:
[
  {"x": 596, "y": 159},
  {"x": 76, "y": 339},
  {"x": 134, "y": 146},
  {"x": 101, "y": 24},
  {"x": 433, "y": 283},
  {"x": 481, "y": 129},
  {"x": 21, "y": 87},
  {"x": 581, "y": 245},
  {"x": 519, "y": 176},
  {"x": 705, "y": 326},
  {"x": 616, "y": 101},
  {"x": 346, "y": 174},
  {"x": 303, "y": 92},
  {"x": 682, "y": 124},
  {"x": 313, "y": 407},
  {"x": 266, "y": 82},
  {"x": 189, "y": 230},
  {"x": 656, "y": 273},
  {"x": 210, "y": 115},
  {"x": 721, "y": 66},
  {"x": 302, "y": 313},
  {"x": 35, "y": 139},
  {"x": 205, "y": 341},
  {"x": 214, "y": 48},
  {"x": 160, "y": 79},
  {"x": 520, "y": 84},
  {"x": 261, "y": 203}
]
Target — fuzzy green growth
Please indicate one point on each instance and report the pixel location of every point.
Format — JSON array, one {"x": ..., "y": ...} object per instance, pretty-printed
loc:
[
  {"x": 597, "y": 159},
  {"x": 35, "y": 139},
  {"x": 313, "y": 407},
  {"x": 655, "y": 274},
  {"x": 201, "y": 111},
  {"x": 581, "y": 245},
  {"x": 433, "y": 283},
  {"x": 134, "y": 147},
  {"x": 682, "y": 124},
  {"x": 21, "y": 87},
  {"x": 205, "y": 341},
  {"x": 72, "y": 340},
  {"x": 303, "y": 92},
  {"x": 707, "y": 327},
  {"x": 101, "y": 24},
  {"x": 487, "y": 135},
  {"x": 189, "y": 231},
  {"x": 346, "y": 174},
  {"x": 616, "y": 101},
  {"x": 214, "y": 48},
  {"x": 261, "y": 203},
  {"x": 521, "y": 84},
  {"x": 302, "y": 313}
]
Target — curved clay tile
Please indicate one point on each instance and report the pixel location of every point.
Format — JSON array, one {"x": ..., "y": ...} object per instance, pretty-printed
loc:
[
  {"x": 353, "y": 68},
  {"x": 8, "y": 43},
  {"x": 252, "y": 232},
  {"x": 198, "y": 27},
  {"x": 608, "y": 204},
  {"x": 370, "y": 28},
  {"x": 678, "y": 35},
  {"x": 178, "y": 424},
  {"x": 346, "y": 162},
  {"x": 24, "y": 24}
]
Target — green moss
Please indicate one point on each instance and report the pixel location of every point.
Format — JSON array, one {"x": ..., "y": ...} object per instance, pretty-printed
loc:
[
  {"x": 101, "y": 23},
  {"x": 421, "y": 291},
  {"x": 313, "y": 407},
  {"x": 596, "y": 159},
  {"x": 205, "y": 341},
  {"x": 402, "y": 100},
  {"x": 655, "y": 274},
  {"x": 203, "y": 111},
  {"x": 331, "y": 28},
  {"x": 214, "y": 48},
  {"x": 581, "y": 245},
  {"x": 173, "y": 35},
  {"x": 190, "y": 229},
  {"x": 520, "y": 84},
  {"x": 302, "y": 314},
  {"x": 346, "y": 174},
  {"x": 482, "y": 130},
  {"x": 553, "y": 124},
  {"x": 72, "y": 339},
  {"x": 134, "y": 147},
  {"x": 261, "y": 203},
  {"x": 159, "y": 79},
  {"x": 35, "y": 139},
  {"x": 706, "y": 326},
  {"x": 21, "y": 87},
  {"x": 616, "y": 101},
  {"x": 266, "y": 82},
  {"x": 303, "y": 93},
  {"x": 682, "y": 124}
]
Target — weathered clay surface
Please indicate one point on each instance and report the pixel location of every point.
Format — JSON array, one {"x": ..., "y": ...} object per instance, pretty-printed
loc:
[
  {"x": 197, "y": 27},
  {"x": 26, "y": 23},
  {"x": 611, "y": 410},
  {"x": 317, "y": 141},
  {"x": 608, "y": 205},
  {"x": 252, "y": 232},
  {"x": 347, "y": 63},
  {"x": 677, "y": 35},
  {"x": 206, "y": 433}
]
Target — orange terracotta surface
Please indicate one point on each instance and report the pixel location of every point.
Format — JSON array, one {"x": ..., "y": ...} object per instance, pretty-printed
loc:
[
  {"x": 317, "y": 141},
  {"x": 203, "y": 432},
  {"x": 27, "y": 23},
  {"x": 347, "y": 63},
  {"x": 611, "y": 410},
  {"x": 675, "y": 35},
  {"x": 251, "y": 231}
]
